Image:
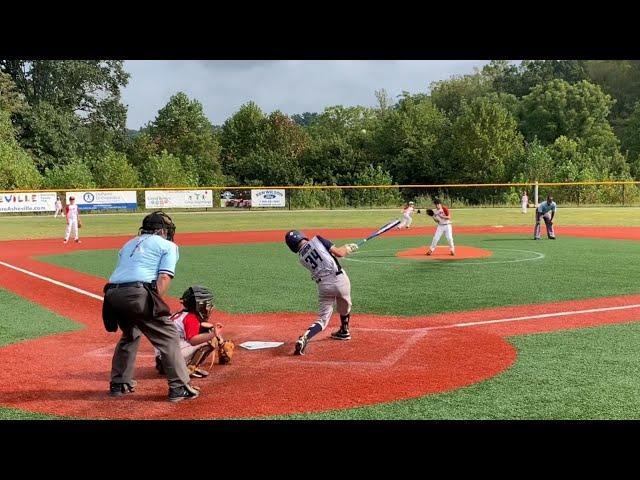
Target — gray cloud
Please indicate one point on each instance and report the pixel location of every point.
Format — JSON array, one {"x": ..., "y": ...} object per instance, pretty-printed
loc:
[{"x": 292, "y": 86}]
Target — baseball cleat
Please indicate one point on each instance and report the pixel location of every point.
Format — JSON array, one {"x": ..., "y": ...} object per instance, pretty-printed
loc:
[
  {"x": 429, "y": 252},
  {"x": 199, "y": 373},
  {"x": 301, "y": 345},
  {"x": 77, "y": 240},
  {"x": 64, "y": 241},
  {"x": 453, "y": 254},
  {"x": 341, "y": 335}
]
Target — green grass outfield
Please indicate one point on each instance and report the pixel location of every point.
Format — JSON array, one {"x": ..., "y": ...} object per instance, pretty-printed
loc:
[
  {"x": 242, "y": 276},
  {"x": 96, "y": 225}
]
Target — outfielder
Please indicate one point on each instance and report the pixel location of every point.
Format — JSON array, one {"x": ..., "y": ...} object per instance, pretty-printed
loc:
[
  {"x": 546, "y": 210},
  {"x": 407, "y": 211},
  {"x": 442, "y": 217},
  {"x": 318, "y": 255},
  {"x": 73, "y": 220},
  {"x": 58, "y": 208},
  {"x": 198, "y": 339},
  {"x": 524, "y": 202}
]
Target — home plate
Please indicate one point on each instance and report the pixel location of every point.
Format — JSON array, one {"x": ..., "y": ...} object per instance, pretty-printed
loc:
[{"x": 258, "y": 345}]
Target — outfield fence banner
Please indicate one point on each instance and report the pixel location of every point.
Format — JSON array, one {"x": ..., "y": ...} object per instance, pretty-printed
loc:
[
  {"x": 268, "y": 198},
  {"x": 178, "y": 199},
  {"x": 27, "y": 202},
  {"x": 112, "y": 200}
]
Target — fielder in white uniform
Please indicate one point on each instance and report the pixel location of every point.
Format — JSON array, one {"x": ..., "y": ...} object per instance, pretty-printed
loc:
[
  {"x": 58, "y": 208},
  {"x": 73, "y": 217},
  {"x": 525, "y": 202},
  {"x": 442, "y": 217},
  {"x": 407, "y": 211},
  {"x": 319, "y": 256}
]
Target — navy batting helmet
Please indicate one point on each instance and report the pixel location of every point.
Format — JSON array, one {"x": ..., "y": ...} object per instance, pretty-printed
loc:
[
  {"x": 199, "y": 300},
  {"x": 156, "y": 221},
  {"x": 293, "y": 238}
]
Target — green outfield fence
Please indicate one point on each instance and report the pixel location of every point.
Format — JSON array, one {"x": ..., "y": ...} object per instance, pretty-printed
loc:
[{"x": 567, "y": 194}]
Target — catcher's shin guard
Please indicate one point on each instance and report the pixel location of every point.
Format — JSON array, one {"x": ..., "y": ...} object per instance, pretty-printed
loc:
[{"x": 197, "y": 359}]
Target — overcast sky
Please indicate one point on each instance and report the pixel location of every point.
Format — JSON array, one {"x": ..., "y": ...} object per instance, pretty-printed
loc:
[{"x": 292, "y": 86}]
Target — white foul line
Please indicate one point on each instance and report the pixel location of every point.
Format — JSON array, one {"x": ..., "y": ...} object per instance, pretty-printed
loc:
[
  {"x": 55, "y": 282},
  {"x": 438, "y": 327}
]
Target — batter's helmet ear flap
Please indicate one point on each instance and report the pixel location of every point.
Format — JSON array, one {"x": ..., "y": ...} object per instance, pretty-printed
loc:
[{"x": 292, "y": 238}]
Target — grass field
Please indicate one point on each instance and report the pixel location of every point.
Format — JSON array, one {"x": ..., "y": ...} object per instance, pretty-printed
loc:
[
  {"x": 96, "y": 225},
  {"x": 579, "y": 374},
  {"x": 408, "y": 287}
]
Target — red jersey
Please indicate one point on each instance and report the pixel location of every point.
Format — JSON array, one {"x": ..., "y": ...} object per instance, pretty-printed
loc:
[{"x": 187, "y": 324}]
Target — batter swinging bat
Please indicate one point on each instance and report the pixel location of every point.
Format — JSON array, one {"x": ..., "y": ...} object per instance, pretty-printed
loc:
[{"x": 380, "y": 231}]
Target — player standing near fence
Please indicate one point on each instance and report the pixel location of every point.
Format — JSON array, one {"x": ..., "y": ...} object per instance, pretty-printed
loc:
[
  {"x": 58, "y": 208},
  {"x": 442, "y": 217},
  {"x": 525, "y": 201},
  {"x": 73, "y": 220}
]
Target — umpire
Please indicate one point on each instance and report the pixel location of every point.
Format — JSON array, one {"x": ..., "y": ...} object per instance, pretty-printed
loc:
[{"x": 134, "y": 302}]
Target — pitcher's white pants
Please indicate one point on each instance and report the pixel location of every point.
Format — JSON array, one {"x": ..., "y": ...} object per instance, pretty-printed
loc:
[
  {"x": 448, "y": 233},
  {"x": 73, "y": 224}
]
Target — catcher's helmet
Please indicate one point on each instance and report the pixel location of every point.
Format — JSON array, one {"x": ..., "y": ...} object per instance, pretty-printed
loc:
[
  {"x": 199, "y": 300},
  {"x": 293, "y": 238},
  {"x": 156, "y": 221}
]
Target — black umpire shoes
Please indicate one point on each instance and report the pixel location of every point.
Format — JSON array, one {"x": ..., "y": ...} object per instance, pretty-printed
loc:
[
  {"x": 185, "y": 392},
  {"x": 120, "y": 389}
]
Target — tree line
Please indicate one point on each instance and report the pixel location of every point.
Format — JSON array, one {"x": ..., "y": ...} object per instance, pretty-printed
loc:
[{"x": 62, "y": 125}]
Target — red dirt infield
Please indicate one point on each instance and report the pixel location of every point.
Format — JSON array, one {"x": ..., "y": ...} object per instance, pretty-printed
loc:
[
  {"x": 463, "y": 252},
  {"x": 68, "y": 374}
]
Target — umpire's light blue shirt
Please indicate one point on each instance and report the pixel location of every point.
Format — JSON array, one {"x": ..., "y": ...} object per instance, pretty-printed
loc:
[
  {"x": 545, "y": 207},
  {"x": 143, "y": 258}
]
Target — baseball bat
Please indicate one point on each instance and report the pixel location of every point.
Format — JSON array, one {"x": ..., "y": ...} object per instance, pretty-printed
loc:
[{"x": 380, "y": 231}]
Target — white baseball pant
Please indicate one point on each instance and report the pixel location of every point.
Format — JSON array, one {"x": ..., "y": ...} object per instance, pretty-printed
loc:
[
  {"x": 448, "y": 233},
  {"x": 73, "y": 224}
]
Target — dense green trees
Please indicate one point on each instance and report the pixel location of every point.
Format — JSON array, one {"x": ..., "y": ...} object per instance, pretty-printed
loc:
[{"x": 62, "y": 125}]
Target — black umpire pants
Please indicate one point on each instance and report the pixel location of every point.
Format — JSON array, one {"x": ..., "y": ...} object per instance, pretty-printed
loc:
[{"x": 133, "y": 307}]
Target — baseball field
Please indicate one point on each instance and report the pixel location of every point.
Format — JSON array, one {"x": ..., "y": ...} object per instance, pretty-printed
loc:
[{"x": 511, "y": 328}]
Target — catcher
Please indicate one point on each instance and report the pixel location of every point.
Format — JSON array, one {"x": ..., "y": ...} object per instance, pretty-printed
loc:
[{"x": 198, "y": 338}]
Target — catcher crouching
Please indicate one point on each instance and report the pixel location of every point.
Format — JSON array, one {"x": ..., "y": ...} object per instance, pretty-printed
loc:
[{"x": 198, "y": 338}]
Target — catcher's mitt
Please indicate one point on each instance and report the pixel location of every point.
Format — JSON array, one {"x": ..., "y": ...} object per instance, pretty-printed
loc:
[
  {"x": 225, "y": 351},
  {"x": 430, "y": 212}
]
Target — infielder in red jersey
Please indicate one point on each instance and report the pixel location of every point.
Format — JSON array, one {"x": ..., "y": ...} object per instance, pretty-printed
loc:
[
  {"x": 442, "y": 217},
  {"x": 73, "y": 220}
]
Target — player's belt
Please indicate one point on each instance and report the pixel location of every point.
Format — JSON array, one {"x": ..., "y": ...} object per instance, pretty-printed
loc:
[{"x": 109, "y": 286}]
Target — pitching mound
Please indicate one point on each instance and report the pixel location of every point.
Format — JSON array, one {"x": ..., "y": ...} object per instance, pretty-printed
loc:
[{"x": 442, "y": 253}]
